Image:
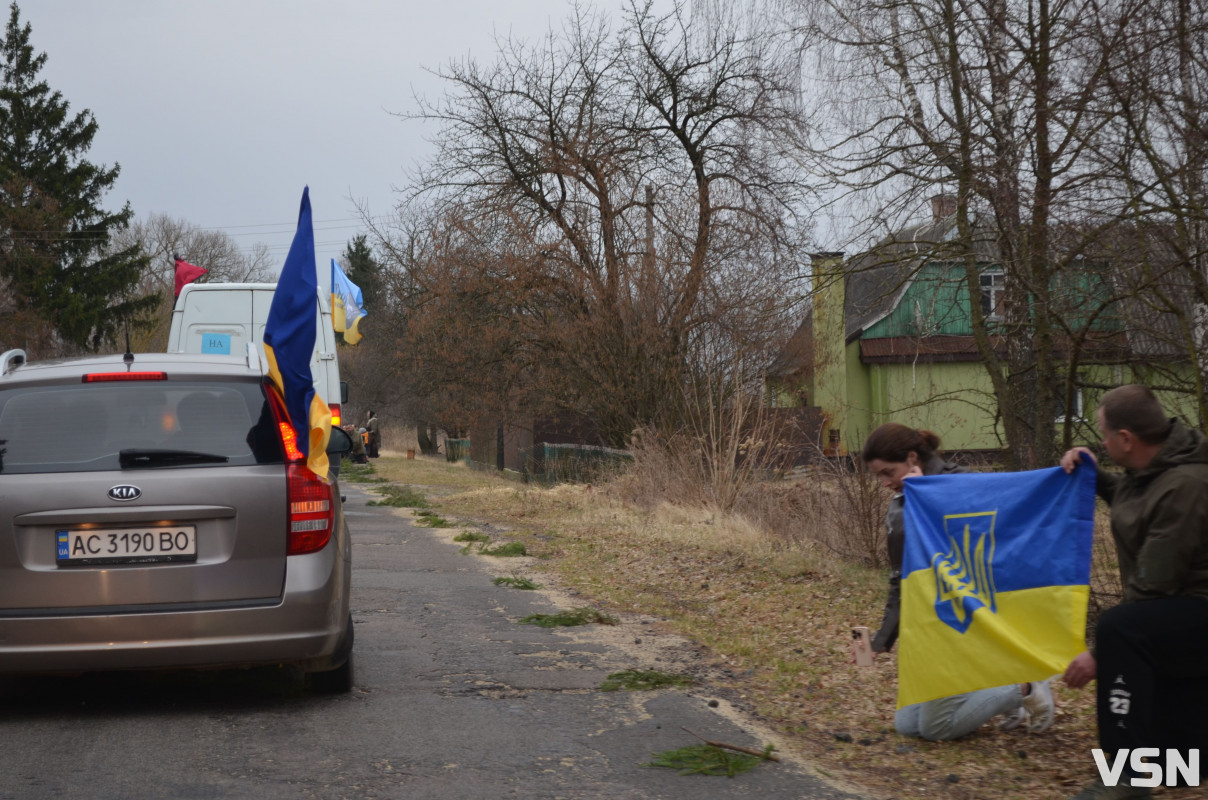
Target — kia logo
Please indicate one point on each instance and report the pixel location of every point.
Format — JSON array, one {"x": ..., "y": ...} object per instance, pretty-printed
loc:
[{"x": 125, "y": 492}]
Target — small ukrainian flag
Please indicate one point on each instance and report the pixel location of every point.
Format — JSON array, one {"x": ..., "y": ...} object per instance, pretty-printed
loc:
[
  {"x": 347, "y": 305},
  {"x": 996, "y": 575}
]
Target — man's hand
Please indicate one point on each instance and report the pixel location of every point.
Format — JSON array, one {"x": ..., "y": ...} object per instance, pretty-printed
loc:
[
  {"x": 1073, "y": 458},
  {"x": 1081, "y": 671}
]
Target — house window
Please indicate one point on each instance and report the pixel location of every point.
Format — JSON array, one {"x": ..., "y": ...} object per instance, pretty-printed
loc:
[
  {"x": 992, "y": 293},
  {"x": 1060, "y": 413}
]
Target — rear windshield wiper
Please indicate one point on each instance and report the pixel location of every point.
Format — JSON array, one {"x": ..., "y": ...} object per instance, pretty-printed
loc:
[{"x": 142, "y": 459}]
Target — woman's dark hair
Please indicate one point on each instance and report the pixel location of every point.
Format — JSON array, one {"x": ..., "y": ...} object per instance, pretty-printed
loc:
[{"x": 894, "y": 441}]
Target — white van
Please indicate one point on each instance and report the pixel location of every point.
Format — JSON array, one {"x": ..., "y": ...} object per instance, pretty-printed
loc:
[{"x": 222, "y": 318}]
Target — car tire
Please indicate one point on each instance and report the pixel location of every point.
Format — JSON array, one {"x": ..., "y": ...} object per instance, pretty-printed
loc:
[{"x": 338, "y": 680}]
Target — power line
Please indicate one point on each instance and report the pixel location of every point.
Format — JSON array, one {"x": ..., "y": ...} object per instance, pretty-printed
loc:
[
  {"x": 267, "y": 229},
  {"x": 282, "y": 228},
  {"x": 278, "y": 224},
  {"x": 284, "y": 248}
]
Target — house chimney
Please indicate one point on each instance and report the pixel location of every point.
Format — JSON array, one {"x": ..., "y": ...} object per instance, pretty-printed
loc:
[
  {"x": 942, "y": 205},
  {"x": 828, "y": 376}
]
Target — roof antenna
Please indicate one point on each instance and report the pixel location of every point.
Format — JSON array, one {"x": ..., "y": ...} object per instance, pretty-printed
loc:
[{"x": 128, "y": 358}]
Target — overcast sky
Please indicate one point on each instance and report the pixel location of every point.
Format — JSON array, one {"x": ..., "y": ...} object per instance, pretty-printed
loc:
[{"x": 220, "y": 111}]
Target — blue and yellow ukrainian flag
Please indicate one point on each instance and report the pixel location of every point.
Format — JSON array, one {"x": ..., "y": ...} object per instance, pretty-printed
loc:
[
  {"x": 289, "y": 343},
  {"x": 347, "y": 305},
  {"x": 996, "y": 575}
]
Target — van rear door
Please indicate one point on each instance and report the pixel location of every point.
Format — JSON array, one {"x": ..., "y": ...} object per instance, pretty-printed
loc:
[
  {"x": 221, "y": 319},
  {"x": 216, "y": 324}
]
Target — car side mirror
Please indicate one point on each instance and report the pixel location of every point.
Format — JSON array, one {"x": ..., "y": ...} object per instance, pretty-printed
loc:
[
  {"x": 340, "y": 442},
  {"x": 343, "y": 392}
]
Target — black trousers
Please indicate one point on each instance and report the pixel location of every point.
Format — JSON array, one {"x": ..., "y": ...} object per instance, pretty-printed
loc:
[{"x": 1152, "y": 675}]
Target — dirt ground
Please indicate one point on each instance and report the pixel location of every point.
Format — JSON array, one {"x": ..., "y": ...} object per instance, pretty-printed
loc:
[{"x": 766, "y": 630}]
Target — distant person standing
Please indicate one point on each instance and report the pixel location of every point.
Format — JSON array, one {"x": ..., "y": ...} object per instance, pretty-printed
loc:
[
  {"x": 375, "y": 435},
  {"x": 358, "y": 446}
]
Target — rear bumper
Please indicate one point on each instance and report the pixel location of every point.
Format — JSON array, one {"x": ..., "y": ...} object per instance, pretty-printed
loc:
[{"x": 304, "y": 626}]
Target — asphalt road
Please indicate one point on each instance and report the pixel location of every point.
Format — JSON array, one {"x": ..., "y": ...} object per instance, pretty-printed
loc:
[{"x": 453, "y": 699}]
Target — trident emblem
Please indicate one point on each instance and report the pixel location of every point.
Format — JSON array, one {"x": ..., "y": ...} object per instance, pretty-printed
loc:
[{"x": 964, "y": 579}]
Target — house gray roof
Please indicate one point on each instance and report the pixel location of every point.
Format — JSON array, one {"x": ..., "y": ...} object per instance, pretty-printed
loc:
[
  {"x": 1159, "y": 296},
  {"x": 878, "y": 278},
  {"x": 1152, "y": 284}
]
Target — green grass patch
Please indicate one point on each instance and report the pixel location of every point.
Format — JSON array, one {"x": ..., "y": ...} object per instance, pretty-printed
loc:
[
  {"x": 505, "y": 550},
  {"x": 515, "y": 582},
  {"x": 705, "y": 759},
  {"x": 360, "y": 473},
  {"x": 400, "y": 497},
  {"x": 637, "y": 680},
  {"x": 430, "y": 519},
  {"x": 472, "y": 536},
  {"x": 567, "y": 619}
]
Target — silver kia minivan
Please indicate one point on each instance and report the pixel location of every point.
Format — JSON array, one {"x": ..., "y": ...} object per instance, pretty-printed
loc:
[{"x": 154, "y": 513}]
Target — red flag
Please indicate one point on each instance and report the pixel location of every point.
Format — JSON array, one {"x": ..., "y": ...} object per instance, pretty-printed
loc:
[{"x": 186, "y": 273}]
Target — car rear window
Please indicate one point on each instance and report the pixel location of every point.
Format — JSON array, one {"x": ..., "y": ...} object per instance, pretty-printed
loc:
[{"x": 84, "y": 427}]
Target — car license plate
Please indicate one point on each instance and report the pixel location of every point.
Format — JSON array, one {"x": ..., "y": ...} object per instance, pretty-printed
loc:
[{"x": 126, "y": 545}]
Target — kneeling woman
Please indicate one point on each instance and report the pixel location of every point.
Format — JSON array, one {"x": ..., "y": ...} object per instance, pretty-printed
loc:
[{"x": 894, "y": 453}]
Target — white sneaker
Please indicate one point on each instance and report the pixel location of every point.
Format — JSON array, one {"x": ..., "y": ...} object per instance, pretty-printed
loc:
[
  {"x": 1013, "y": 719},
  {"x": 1040, "y": 708}
]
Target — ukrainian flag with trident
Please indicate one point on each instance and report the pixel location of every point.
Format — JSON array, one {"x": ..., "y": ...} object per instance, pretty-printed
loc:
[
  {"x": 996, "y": 575},
  {"x": 289, "y": 343}
]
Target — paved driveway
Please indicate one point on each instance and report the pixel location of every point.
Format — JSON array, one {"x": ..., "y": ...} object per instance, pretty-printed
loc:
[{"x": 452, "y": 699}]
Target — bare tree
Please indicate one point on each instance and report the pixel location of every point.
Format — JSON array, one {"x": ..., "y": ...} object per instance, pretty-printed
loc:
[
  {"x": 1158, "y": 81},
  {"x": 1005, "y": 104},
  {"x": 633, "y": 203},
  {"x": 162, "y": 239}
]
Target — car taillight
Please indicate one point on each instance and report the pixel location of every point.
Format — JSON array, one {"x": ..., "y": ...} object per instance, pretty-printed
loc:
[
  {"x": 311, "y": 514},
  {"x": 310, "y": 511},
  {"x": 335, "y": 414}
]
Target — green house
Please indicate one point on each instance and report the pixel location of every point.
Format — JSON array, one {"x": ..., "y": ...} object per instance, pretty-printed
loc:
[{"x": 889, "y": 338}]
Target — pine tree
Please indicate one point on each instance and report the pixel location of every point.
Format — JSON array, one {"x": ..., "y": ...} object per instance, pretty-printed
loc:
[
  {"x": 68, "y": 285},
  {"x": 364, "y": 270}
]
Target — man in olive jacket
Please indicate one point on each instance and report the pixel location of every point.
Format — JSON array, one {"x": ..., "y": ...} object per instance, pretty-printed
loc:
[{"x": 1151, "y": 651}]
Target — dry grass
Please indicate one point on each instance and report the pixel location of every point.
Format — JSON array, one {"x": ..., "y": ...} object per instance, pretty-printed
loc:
[{"x": 764, "y": 593}]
